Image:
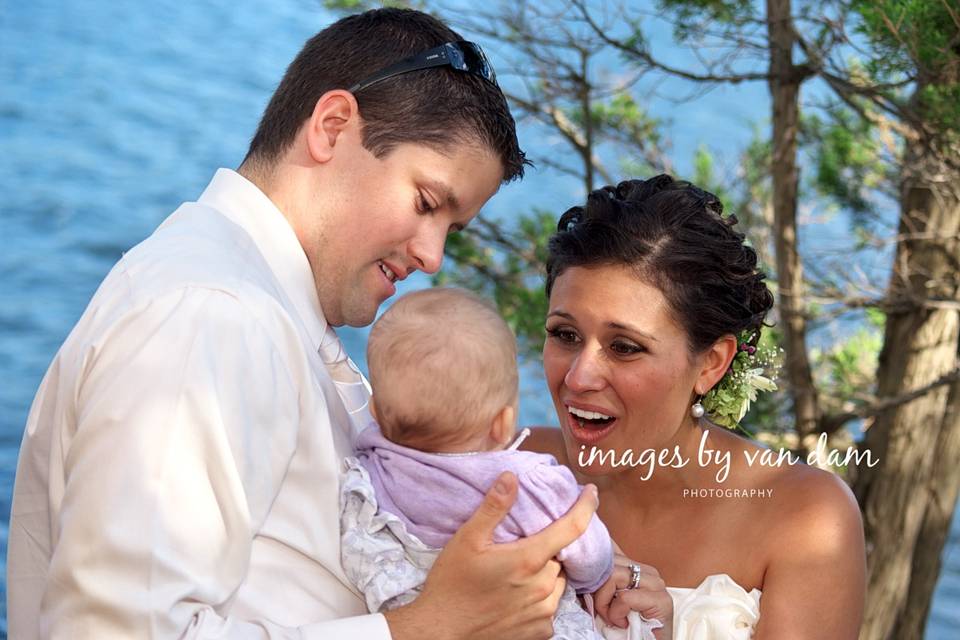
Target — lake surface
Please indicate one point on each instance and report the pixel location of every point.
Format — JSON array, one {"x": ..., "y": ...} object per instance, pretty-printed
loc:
[{"x": 112, "y": 114}]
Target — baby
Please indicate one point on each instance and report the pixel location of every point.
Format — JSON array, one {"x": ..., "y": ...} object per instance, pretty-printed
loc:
[{"x": 443, "y": 368}]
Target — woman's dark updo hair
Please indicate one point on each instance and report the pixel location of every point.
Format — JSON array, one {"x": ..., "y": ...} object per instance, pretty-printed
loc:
[{"x": 673, "y": 234}]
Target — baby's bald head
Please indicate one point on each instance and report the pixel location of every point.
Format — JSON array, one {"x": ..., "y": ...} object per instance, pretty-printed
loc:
[{"x": 443, "y": 365}]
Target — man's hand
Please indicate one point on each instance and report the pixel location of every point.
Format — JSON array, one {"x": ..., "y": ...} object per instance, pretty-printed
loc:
[{"x": 478, "y": 589}]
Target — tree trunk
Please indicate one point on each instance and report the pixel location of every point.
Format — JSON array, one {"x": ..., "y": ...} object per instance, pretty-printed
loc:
[
  {"x": 784, "y": 83},
  {"x": 944, "y": 486},
  {"x": 909, "y": 497}
]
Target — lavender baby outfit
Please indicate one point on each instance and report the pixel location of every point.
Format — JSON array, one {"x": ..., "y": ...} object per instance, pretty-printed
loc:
[{"x": 399, "y": 506}]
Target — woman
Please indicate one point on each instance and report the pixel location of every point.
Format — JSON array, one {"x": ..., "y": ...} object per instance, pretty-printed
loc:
[{"x": 649, "y": 289}]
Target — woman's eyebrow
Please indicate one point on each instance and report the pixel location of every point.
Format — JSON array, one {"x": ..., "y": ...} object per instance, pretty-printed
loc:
[
  {"x": 612, "y": 325},
  {"x": 627, "y": 327}
]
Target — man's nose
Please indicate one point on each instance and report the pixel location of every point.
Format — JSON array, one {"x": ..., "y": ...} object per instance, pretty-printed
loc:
[
  {"x": 586, "y": 372},
  {"x": 427, "y": 248}
]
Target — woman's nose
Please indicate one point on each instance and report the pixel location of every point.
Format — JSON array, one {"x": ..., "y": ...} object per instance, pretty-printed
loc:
[{"x": 586, "y": 372}]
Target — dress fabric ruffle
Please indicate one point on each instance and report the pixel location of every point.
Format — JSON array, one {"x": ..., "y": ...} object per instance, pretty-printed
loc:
[{"x": 718, "y": 609}]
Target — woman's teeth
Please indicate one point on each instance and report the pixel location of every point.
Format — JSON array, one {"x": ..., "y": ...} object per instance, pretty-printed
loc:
[
  {"x": 391, "y": 276},
  {"x": 593, "y": 418},
  {"x": 587, "y": 415}
]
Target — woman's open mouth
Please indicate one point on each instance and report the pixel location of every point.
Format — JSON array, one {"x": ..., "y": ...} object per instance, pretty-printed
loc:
[{"x": 589, "y": 427}]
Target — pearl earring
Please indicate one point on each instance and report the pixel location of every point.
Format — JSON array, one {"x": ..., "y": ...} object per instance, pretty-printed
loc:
[{"x": 697, "y": 410}]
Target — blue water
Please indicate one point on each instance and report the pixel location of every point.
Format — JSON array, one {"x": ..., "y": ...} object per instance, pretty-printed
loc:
[{"x": 111, "y": 114}]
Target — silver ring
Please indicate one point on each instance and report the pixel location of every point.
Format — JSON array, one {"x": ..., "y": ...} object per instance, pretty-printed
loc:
[{"x": 634, "y": 576}]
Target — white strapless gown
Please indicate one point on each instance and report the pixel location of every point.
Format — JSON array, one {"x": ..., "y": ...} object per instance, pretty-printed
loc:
[{"x": 718, "y": 609}]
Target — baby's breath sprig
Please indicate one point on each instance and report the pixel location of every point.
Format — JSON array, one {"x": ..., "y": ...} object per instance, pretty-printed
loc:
[{"x": 753, "y": 369}]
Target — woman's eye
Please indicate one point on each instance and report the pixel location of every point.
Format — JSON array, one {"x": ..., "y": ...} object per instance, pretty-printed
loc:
[
  {"x": 562, "y": 335},
  {"x": 626, "y": 348}
]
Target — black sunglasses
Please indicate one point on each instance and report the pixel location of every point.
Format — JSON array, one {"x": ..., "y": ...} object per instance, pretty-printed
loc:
[{"x": 461, "y": 55}]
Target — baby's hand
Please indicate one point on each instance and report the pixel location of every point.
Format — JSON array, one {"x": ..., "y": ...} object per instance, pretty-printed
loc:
[{"x": 615, "y": 599}]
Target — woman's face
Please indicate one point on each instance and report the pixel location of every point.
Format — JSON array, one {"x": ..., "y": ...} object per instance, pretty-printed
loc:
[{"x": 617, "y": 364}]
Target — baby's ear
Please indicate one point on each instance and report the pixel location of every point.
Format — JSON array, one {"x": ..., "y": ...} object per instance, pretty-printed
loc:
[
  {"x": 504, "y": 425},
  {"x": 373, "y": 409}
]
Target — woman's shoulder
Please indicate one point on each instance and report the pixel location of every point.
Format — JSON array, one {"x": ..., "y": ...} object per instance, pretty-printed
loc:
[
  {"x": 816, "y": 504},
  {"x": 797, "y": 483},
  {"x": 808, "y": 511},
  {"x": 801, "y": 502},
  {"x": 812, "y": 549},
  {"x": 797, "y": 486}
]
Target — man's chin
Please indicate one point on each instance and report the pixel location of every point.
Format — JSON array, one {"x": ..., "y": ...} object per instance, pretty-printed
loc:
[{"x": 360, "y": 316}]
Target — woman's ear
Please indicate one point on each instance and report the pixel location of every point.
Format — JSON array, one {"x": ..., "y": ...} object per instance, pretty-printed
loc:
[
  {"x": 715, "y": 363},
  {"x": 334, "y": 113},
  {"x": 504, "y": 426}
]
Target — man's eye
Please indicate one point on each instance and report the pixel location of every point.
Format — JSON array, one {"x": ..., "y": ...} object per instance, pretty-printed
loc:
[
  {"x": 563, "y": 335},
  {"x": 423, "y": 205}
]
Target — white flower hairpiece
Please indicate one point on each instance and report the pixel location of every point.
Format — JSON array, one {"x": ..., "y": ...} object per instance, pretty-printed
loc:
[{"x": 751, "y": 372}]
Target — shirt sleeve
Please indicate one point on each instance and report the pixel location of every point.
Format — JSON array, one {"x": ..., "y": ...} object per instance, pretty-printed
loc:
[
  {"x": 187, "y": 418},
  {"x": 546, "y": 492}
]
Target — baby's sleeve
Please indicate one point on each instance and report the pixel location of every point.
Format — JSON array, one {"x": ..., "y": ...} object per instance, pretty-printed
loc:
[{"x": 547, "y": 492}]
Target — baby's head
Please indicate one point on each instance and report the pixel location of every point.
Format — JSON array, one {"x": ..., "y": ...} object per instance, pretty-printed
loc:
[{"x": 443, "y": 367}]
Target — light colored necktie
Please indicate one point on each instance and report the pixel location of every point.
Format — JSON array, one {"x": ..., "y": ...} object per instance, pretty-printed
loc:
[
  {"x": 334, "y": 356},
  {"x": 351, "y": 386}
]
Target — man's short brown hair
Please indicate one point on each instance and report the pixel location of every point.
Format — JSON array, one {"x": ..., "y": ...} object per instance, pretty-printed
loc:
[{"x": 436, "y": 107}]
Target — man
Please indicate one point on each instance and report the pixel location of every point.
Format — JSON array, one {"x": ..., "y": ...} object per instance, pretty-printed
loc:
[{"x": 178, "y": 476}]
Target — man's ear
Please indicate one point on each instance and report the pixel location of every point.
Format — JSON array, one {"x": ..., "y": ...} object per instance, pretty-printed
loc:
[
  {"x": 335, "y": 113},
  {"x": 715, "y": 361},
  {"x": 503, "y": 426}
]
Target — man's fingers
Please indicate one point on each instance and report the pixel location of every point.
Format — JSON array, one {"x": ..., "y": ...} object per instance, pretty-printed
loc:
[
  {"x": 551, "y": 540},
  {"x": 494, "y": 508},
  {"x": 558, "y": 589},
  {"x": 535, "y": 618},
  {"x": 547, "y": 606},
  {"x": 542, "y": 582}
]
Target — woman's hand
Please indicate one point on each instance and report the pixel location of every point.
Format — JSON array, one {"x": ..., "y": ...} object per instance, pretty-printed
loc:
[{"x": 614, "y": 600}]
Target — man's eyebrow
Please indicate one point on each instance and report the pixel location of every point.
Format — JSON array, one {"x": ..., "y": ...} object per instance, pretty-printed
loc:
[{"x": 446, "y": 194}]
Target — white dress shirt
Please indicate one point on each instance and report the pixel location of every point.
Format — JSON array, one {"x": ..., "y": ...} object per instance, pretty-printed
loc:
[{"x": 179, "y": 473}]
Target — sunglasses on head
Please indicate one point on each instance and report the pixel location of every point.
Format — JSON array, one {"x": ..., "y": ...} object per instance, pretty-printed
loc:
[{"x": 461, "y": 55}]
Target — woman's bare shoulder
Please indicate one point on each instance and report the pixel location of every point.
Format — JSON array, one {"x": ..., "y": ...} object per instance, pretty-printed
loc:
[
  {"x": 814, "y": 553},
  {"x": 816, "y": 499},
  {"x": 805, "y": 504}
]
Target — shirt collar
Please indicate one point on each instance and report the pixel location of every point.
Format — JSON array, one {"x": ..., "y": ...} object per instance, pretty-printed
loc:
[{"x": 246, "y": 205}]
